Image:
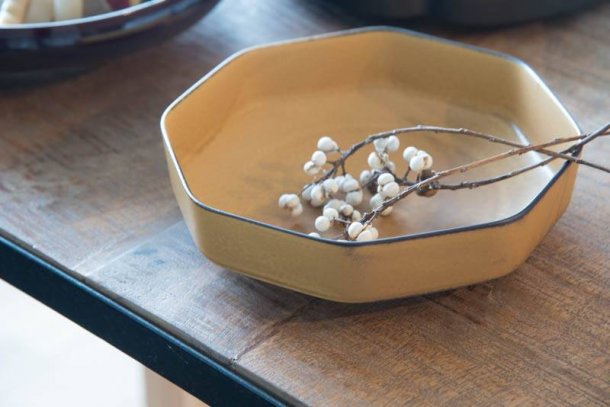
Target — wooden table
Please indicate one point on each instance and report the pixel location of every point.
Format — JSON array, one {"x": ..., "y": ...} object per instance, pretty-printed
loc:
[{"x": 90, "y": 227}]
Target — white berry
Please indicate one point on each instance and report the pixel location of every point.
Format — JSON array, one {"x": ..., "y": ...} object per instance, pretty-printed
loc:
[
  {"x": 365, "y": 236},
  {"x": 380, "y": 144},
  {"x": 297, "y": 210},
  {"x": 346, "y": 209},
  {"x": 387, "y": 211},
  {"x": 354, "y": 229},
  {"x": 417, "y": 163},
  {"x": 330, "y": 186},
  {"x": 283, "y": 200},
  {"x": 374, "y": 161},
  {"x": 327, "y": 144},
  {"x": 314, "y": 234},
  {"x": 334, "y": 203},
  {"x": 322, "y": 223},
  {"x": 427, "y": 159},
  {"x": 292, "y": 201},
  {"x": 393, "y": 143},
  {"x": 385, "y": 178},
  {"x": 409, "y": 153},
  {"x": 318, "y": 158},
  {"x": 374, "y": 232},
  {"x": 330, "y": 213},
  {"x": 306, "y": 194},
  {"x": 365, "y": 177},
  {"x": 391, "y": 190},
  {"x": 390, "y": 166},
  {"x": 317, "y": 193},
  {"x": 354, "y": 198},
  {"x": 376, "y": 201},
  {"x": 311, "y": 168},
  {"x": 316, "y": 202},
  {"x": 350, "y": 185},
  {"x": 288, "y": 201},
  {"x": 356, "y": 216}
]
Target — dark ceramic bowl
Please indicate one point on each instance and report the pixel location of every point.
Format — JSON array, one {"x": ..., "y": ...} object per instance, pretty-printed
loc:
[
  {"x": 485, "y": 13},
  {"x": 55, "y": 48}
]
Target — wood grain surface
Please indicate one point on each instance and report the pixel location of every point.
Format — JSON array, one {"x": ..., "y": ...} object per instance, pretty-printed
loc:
[{"x": 83, "y": 180}]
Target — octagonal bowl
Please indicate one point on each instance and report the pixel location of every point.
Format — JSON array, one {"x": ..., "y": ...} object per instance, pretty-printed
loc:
[{"x": 237, "y": 139}]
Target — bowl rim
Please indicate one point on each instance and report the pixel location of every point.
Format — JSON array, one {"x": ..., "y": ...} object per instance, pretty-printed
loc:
[
  {"x": 363, "y": 30},
  {"x": 109, "y": 17}
]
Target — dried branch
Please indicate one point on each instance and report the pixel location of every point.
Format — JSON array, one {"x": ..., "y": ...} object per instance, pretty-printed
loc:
[
  {"x": 390, "y": 188},
  {"x": 344, "y": 155},
  {"x": 584, "y": 139}
]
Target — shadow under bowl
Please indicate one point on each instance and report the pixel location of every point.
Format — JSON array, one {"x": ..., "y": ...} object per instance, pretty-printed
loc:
[{"x": 238, "y": 138}]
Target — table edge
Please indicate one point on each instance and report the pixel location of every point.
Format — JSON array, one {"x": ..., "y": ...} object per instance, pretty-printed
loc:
[{"x": 195, "y": 372}]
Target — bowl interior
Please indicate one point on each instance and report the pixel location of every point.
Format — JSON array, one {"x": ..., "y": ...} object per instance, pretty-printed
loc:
[{"x": 242, "y": 135}]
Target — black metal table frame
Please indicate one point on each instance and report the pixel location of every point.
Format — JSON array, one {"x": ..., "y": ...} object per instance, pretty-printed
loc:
[{"x": 160, "y": 351}]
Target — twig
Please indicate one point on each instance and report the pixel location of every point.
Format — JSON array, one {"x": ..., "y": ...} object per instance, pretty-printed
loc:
[
  {"x": 368, "y": 217},
  {"x": 573, "y": 149},
  {"x": 340, "y": 162}
]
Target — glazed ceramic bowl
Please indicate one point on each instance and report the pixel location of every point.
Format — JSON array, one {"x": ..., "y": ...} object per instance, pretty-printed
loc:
[
  {"x": 238, "y": 139},
  {"x": 47, "y": 49},
  {"x": 468, "y": 12}
]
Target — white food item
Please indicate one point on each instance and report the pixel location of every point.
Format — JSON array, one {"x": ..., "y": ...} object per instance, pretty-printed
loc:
[
  {"x": 391, "y": 190},
  {"x": 374, "y": 232},
  {"x": 354, "y": 198},
  {"x": 385, "y": 178},
  {"x": 13, "y": 11},
  {"x": 393, "y": 144},
  {"x": 350, "y": 185},
  {"x": 374, "y": 161},
  {"x": 417, "y": 163},
  {"x": 376, "y": 201},
  {"x": 292, "y": 201},
  {"x": 334, "y": 203},
  {"x": 40, "y": 11},
  {"x": 67, "y": 9},
  {"x": 327, "y": 144},
  {"x": 297, "y": 210},
  {"x": 409, "y": 153},
  {"x": 354, "y": 229},
  {"x": 331, "y": 213},
  {"x": 95, "y": 7},
  {"x": 318, "y": 158},
  {"x": 330, "y": 186},
  {"x": 387, "y": 211},
  {"x": 322, "y": 223},
  {"x": 365, "y": 176},
  {"x": 346, "y": 209},
  {"x": 365, "y": 236},
  {"x": 380, "y": 144},
  {"x": 311, "y": 168},
  {"x": 283, "y": 200}
]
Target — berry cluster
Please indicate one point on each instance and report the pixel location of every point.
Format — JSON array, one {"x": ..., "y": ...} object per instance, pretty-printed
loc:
[{"x": 341, "y": 196}]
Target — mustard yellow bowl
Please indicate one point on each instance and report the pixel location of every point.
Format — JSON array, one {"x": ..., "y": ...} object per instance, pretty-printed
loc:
[{"x": 238, "y": 138}]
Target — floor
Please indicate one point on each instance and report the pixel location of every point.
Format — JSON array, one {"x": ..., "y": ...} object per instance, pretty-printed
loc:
[{"x": 47, "y": 360}]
